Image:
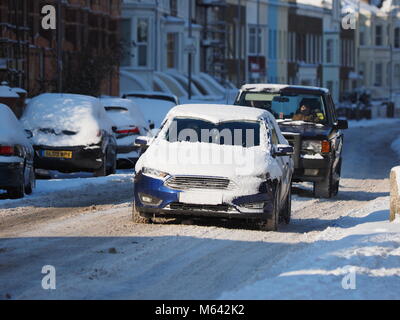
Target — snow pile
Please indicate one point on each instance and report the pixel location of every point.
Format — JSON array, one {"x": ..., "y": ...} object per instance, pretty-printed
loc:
[
  {"x": 7, "y": 92},
  {"x": 65, "y": 120},
  {"x": 69, "y": 183},
  {"x": 371, "y": 123},
  {"x": 357, "y": 258},
  {"x": 396, "y": 146}
]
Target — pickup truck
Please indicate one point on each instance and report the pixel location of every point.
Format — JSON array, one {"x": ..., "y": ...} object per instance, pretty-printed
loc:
[{"x": 308, "y": 120}]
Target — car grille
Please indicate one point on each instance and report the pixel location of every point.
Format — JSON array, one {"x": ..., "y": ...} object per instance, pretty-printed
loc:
[
  {"x": 198, "y": 207},
  {"x": 206, "y": 183}
]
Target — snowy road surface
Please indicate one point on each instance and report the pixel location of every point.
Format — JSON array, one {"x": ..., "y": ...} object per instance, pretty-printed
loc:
[{"x": 83, "y": 228}]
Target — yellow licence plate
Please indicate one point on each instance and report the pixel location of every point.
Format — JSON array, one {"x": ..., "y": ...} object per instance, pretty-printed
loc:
[{"x": 58, "y": 154}]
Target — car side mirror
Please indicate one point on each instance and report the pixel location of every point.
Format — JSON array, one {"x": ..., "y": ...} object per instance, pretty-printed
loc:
[
  {"x": 142, "y": 141},
  {"x": 28, "y": 134},
  {"x": 114, "y": 129},
  {"x": 152, "y": 125},
  {"x": 282, "y": 150},
  {"x": 342, "y": 125}
]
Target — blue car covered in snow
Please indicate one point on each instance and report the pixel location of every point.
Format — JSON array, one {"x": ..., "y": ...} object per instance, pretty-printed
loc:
[{"x": 215, "y": 161}]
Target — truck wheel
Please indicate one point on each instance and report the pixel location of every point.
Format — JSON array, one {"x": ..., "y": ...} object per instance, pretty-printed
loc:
[
  {"x": 324, "y": 188},
  {"x": 286, "y": 211},
  {"x": 271, "y": 224},
  {"x": 137, "y": 218}
]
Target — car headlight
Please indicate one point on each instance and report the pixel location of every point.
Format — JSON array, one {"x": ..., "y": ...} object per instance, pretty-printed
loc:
[
  {"x": 154, "y": 173},
  {"x": 309, "y": 145}
]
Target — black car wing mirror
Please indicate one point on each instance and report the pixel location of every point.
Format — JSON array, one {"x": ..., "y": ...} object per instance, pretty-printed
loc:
[
  {"x": 342, "y": 125},
  {"x": 142, "y": 141}
]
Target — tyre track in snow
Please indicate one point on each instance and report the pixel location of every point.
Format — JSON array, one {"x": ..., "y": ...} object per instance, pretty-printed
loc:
[{"x": 100, "y": 253}]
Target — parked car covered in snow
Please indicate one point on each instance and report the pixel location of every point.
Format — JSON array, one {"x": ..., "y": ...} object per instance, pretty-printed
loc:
[
  {"x": 17, "y": 174},
  {"x": 154, "y": 105},
  {"x": 71, "y": 133},
  {"x": 130, "y": 123},
  {"x": 216, "y": 161},
  {"x": 308, "y": 120}
]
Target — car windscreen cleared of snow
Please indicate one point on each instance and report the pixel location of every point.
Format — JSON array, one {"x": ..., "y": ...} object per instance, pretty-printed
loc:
[
  {"x": 287, "y": 106},
  {"x": 238, "y": 133}
]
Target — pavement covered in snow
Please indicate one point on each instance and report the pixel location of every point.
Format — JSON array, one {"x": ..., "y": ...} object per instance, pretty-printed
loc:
[{"x": 82, "y": 226}]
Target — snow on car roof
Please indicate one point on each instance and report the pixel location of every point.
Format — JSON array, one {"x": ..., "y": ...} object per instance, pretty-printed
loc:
[
  {"x": 7, "y": 92},
  {"x": 149, "y": 93},
  {"x": 279, "y": 87},
  {"x": 11, "y": 131},
  {"x": 134, "y": 111},
  {"x": 116, "y": 102},
  {"x": 218, "y": 113},
  {"x": 76, "y": 113}
]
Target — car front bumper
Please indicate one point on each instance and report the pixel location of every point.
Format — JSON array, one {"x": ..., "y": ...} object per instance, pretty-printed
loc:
[
  {"x": 312, "y": 170},
  {"x": 83, "y": 159},
  {"x": 11, "y": 175},
  {"x": 166, "y": 203}
]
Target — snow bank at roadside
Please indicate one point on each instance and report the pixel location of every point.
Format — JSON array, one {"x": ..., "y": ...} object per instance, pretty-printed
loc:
[
  {"x": 46, "y": 188},
  {"x": 396, "y": 146},
  {"x": 372, "y": 122},
  {"x": 362, "y": 244}
]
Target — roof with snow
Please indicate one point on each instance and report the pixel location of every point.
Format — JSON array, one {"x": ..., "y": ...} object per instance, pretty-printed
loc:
[
  {"x": 218, "y": 113},
  {"x": 281, "y": 87}
]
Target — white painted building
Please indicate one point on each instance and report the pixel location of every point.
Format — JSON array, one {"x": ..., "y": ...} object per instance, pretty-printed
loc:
[{"x": 156, "y": 41}]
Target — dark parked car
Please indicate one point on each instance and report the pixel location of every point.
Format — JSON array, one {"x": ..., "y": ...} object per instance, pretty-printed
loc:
[
  {"x": 71, "y": 133},
  {"x": 17, "y": 174},
  {"x": 308, "y": 120}
]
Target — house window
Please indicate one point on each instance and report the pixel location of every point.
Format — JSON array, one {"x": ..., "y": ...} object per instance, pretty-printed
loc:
[
  {"x": 173, "y": 6},
  {"x": 397, "y": 75},
  {"x": 378, "y": 36},
  {"x": 255, "y": 40},
  {"x": 378, "y": 74},
  {"x": 172, "y": 50},
  {"x": 329, "y": 51},
  {"x": 397, "y": 38},
  {"x": 126, "y": 38},
  {"x": 362, "y": 36},
  {"x": 142, "y": 42}
]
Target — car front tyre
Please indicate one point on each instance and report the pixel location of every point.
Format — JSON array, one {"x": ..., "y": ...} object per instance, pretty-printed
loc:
[
  {"x": 271, "y": 224},
  {"x": 286, "y": 212},
  {"x": 324, "y": 189}
]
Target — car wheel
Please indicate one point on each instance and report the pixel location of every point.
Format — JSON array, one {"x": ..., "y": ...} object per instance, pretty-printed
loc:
[
  {"x": 17, "y": 192},
  {"x": 271, "y": 224},
  {"x": 324, "y": 189},
  {"x": 113, "y": 167},
  {"x": 286, "y": 211},
  {"x": 31, "y": 184},
  {"x": 102, "y": 171},
  {"x": 137, "y": 217}
]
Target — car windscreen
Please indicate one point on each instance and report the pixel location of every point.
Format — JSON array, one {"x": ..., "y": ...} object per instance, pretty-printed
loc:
[
  {"x": 288, "y": 106},
  {"x": 238, "y": 133}
]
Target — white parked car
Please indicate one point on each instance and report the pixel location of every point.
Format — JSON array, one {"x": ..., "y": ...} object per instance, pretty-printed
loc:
[
  {"x": 216, "y": 161},
  {"x": 154, "y": 105},
  {"x": 130, "y": 123}
]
